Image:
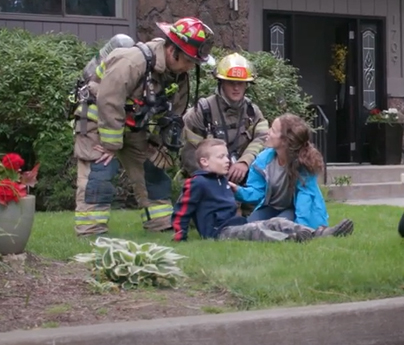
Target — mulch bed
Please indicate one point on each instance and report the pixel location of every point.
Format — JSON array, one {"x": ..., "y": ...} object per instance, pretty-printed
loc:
[{"x": 42, "y": 293}]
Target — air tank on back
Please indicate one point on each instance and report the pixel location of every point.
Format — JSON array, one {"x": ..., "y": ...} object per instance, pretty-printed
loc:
[{"x": 118, "y": 41}]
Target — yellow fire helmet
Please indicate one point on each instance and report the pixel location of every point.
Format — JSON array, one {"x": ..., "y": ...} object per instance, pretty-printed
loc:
[{"x": 235, "y": 67}]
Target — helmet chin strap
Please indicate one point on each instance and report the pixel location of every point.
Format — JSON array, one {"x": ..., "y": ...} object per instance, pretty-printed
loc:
[
  {"x": 175, "y": 54},
  {"x": 198, "y": 81}
]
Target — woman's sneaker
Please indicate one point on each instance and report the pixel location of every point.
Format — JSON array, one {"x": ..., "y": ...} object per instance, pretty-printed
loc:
[{"x": 342, "y": 229}]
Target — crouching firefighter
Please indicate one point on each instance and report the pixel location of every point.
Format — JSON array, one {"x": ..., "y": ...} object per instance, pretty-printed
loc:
[
  {"x": 227, "y": 115},
  {"x": 133, "y": 89}
]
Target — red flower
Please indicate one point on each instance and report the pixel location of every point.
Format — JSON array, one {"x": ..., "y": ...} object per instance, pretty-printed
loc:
[
  {"x": 13, "y": 161},
  {"x": 11, "y": 191},
  {"x": 375, "y": 111}
]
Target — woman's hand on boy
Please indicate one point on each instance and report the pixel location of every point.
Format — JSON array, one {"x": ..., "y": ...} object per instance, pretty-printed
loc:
[
  {"x": 233, "y": 186},
  {"x": 237, "y": 172}
]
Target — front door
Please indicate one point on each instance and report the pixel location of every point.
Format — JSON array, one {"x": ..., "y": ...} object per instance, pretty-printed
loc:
[
  {"x": 363, "y": 88},
  {"x": 371, "y": 80},
  {"x": 345, "y": 65}
]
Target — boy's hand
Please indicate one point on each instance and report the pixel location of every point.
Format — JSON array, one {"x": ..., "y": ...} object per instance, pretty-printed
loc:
[
  {"x": 106, "y": 155},
  {"x": 233, "y": 186},
  {"x": 179, "y": 237},
  {"x": 237, "y": 172}
]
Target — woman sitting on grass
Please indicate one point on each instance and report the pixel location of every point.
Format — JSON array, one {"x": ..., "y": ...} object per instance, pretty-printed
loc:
[{"x": 283, "y": 179}]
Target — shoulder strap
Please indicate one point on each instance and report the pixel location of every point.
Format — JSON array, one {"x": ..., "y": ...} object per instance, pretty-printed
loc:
[
  {"x": 150, "y": 62},
  {"x": 148, "y": 55},
  {"x": 206, "y": 113},
  {"x": 186, "y": 77},
  {"x": 250, "y": 110}
]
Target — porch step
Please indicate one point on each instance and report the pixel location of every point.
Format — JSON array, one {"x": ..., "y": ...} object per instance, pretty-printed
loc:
[
  {"x": 366, "y": 191},
  {"x": 366, "y": 173}
]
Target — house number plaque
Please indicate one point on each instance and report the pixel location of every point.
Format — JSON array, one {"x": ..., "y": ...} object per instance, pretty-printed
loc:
[{"x": 393, "y": 43}]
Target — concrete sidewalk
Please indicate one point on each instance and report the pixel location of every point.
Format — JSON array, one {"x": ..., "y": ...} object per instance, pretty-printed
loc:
[
  {"x": 386, "y": 201},
  {"x": 365, "y": 323}
]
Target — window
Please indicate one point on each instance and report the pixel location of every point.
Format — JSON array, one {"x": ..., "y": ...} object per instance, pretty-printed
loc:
[
  {"x": 369, "y": 77},
  {"x": 99, "y": 8},
  {"x": 32, "y": 6},
  {"x": 277, "y": 37}
]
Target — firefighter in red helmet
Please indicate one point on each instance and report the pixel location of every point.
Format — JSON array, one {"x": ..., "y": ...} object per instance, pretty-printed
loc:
[
  {"x": 132, "y": 114},
  {"x": 192, "y": 36}
]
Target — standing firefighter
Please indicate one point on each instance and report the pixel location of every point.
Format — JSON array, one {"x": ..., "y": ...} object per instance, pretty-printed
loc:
[
  {"x": 227, "y": 115},
  {"x": 132, "y": 111}
]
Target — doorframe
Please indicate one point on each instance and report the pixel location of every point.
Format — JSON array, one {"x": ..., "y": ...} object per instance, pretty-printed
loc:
[{"x": 381, "y": 65}]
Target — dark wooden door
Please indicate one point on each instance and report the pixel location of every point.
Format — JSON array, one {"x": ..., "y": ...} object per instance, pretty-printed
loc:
[
  {"x": 371, "y": 80},
  {"x": 363, "y": 89},
  {"x": 345, "y": 92}
]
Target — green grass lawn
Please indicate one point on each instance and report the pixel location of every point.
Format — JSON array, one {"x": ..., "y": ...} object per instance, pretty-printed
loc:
[{"x": 367, "y": 265}]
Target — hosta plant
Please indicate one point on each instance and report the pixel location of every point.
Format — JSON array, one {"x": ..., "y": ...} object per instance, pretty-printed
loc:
[{"x": 128, "y": 264}]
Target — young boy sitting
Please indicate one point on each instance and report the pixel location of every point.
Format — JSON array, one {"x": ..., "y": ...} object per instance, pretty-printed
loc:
[{"x": 209, "y": 201}]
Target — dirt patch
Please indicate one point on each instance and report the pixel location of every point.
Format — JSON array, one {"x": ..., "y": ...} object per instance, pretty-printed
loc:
[{"x": 39, "y": 293}]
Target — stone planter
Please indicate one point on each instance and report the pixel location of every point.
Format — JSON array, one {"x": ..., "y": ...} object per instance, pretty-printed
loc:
[
  {"x": 16, "y": 219},
  {"x": 385, "y": 143}
]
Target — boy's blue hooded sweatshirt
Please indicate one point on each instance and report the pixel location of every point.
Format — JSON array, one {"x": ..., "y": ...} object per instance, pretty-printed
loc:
[{"x": 208, "y": 200}]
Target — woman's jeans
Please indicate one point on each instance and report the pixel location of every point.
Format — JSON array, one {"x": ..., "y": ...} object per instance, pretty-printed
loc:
[{"x": 268, "y": 212}]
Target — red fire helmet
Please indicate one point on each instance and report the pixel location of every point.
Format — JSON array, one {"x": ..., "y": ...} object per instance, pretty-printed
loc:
[{"x": 190, "y": 35}]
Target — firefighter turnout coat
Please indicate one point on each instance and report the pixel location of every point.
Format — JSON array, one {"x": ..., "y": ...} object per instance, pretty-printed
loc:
[
  {"x": 242, "y": 126},
  {"x": 119, "y": 81}
]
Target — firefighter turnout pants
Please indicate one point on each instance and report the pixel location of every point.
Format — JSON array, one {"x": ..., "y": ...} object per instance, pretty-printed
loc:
[
  {"x": 157, "y": 215},
  {"x": 94, "y": 196},
  {"x": 151, "y": 185},
  {"x": 95, "y": 191}
]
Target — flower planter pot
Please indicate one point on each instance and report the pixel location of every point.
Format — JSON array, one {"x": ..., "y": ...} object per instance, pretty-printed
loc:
[
  {"x": 16, "y": 220},
  {"x": 385, "y": 143}
]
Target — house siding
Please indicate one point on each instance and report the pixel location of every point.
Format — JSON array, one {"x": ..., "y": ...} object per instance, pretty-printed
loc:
[
  {"x": 391, "y": 10},
  {"x": 86, "y": 32},
  {"x": 88, "y": 29}
]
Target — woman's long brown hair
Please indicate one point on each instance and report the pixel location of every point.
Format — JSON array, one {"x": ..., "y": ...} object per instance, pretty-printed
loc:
[{"x": 301, "y": 153}]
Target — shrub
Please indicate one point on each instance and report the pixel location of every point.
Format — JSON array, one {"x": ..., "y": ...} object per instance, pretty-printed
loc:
[
  {"x": 56, "y": 189},
  {"x": 37, "y": 74},
  {"x": 36, "y": 79}
]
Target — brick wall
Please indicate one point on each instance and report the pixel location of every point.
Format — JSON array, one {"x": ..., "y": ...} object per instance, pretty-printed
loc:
[{"x": 230, "y": 27}]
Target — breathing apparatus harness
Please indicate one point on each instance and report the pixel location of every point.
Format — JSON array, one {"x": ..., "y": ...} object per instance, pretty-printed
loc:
[
  {"x": 155, "y": 109},
  {"x": 214, "y": 130},
  {"x": 151, "y": 109}
]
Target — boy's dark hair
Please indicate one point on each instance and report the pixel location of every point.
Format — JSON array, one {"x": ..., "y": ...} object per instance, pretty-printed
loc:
[{"x": 204, "y": 148}]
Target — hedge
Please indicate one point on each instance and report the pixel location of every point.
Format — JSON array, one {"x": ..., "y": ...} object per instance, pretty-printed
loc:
[{"x": 39, "y": 71}]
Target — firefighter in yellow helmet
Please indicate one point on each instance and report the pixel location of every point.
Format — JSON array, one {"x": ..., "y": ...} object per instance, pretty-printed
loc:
[{"x": 229, "y": 115}]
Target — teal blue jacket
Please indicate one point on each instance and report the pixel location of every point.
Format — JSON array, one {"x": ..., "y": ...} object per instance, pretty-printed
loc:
[{"x": 310, "y": 208}]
